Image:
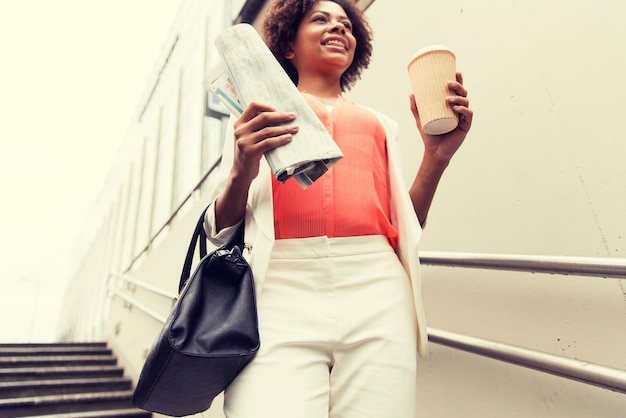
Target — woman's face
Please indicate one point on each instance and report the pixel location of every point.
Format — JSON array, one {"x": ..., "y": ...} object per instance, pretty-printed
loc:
[{"x": 324, "y": 41}]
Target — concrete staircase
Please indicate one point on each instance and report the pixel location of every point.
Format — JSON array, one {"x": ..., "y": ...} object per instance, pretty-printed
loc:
[{"x": 71, "y": 380}]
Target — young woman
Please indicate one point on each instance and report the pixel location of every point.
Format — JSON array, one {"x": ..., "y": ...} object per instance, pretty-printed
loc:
[{"x": 336, "y": 265}]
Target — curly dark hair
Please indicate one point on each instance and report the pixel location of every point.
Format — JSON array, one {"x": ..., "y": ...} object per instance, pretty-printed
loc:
[{"x": 280, "y": 27}]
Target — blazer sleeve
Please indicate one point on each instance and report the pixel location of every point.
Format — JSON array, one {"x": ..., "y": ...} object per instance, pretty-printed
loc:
[{"x": 218, "y": 238}]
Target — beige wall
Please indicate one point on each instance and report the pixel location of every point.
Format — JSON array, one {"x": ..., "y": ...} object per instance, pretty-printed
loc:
[{"x": 542, "y": 172}]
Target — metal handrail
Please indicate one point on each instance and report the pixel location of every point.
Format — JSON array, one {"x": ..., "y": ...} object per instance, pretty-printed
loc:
[
  {"x": 154, "y": 289},
  {"x": 133, "y": 302},
  {"x": 175, "y": 212},
  {"x": 579, "y": 370},
  {"x": 581, "y": 266}
]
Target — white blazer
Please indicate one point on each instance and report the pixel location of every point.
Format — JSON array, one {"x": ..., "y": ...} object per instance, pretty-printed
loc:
[{"x": 259, "y": 219}]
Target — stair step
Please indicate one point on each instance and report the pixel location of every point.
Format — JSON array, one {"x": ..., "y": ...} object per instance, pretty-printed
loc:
[
  {"x": 71, "y": 380},
  {"x": 22, "y": 389},
  {"x": 68, "y": 372},
  {"x": 54, "y": 350},
  {"x": 50, "y": 361},
  {"x": 57, "y": 404},
  {"x": 118, "y": 413},
  {"x": 44, "y": 345}
]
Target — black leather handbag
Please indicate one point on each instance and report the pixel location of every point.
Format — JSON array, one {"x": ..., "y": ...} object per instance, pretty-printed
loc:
[{"x": 210, "y": 335}]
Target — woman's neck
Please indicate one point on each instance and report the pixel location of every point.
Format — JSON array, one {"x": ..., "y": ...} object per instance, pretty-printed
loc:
[
  {"x": 325, "y": 91},
  {"x": 330, "y": 101}
]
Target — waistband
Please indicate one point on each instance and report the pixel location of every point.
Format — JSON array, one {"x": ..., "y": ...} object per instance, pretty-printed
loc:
[{"x": 318, "y": 247}]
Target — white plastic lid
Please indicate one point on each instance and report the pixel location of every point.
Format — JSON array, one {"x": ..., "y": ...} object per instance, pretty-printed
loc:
[{"x": 429, "y": 49}]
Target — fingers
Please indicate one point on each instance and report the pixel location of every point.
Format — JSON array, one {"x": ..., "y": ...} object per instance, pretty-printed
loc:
[
  {"x": 457, "y": 87},
  {"x": 459, "y": 101},
  {"x": 262, "y": 118},
  {"x": 460, "y": 105},
  {"x": 259, "y": 115},
  {"x": 271, "y": 137},
  {"x": 459, "y": 77},
  {"x": 261, "y": 128},
  {"x": 254, "y": 109},
  {"x": 465, "y": 116}
]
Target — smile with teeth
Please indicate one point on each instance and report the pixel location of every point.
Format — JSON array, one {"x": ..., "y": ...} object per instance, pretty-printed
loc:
[{"x": 334, "y": 42}]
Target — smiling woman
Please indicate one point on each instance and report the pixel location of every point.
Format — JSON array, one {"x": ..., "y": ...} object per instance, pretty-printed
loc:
[
  {"x": 321, "y": 257},
  {"x": 324, "y": 47},
  {"x": 275, "y": 29}
]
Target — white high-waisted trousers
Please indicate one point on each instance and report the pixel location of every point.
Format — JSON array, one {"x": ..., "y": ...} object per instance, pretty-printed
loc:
[{"x": 338, "y": 334}]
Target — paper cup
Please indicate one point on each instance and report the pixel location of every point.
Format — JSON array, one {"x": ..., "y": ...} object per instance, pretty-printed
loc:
[{"x": 430, "y": 69}]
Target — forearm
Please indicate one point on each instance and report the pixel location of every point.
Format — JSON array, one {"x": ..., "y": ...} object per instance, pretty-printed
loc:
[
  {"x": 425, "y": 184},
  {"x": 230, "y": 205}
]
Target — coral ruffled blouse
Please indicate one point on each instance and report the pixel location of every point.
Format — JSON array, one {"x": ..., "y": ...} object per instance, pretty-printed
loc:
[{"x": 351, "y": 199}]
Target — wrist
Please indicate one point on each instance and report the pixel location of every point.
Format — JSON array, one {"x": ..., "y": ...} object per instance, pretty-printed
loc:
[
  {"x": 432, "y": 166},
  {"x": 240, "y": 180}
]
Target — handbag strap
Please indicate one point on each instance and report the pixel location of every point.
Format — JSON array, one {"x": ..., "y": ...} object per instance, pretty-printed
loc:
[{"x": 200, "y": 235}]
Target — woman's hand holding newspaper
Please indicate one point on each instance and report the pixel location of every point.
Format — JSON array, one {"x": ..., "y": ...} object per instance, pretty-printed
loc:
[{"x": 259, "y": 129}]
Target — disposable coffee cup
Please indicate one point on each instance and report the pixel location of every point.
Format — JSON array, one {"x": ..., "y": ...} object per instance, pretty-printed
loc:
[{"x": 430, "y": 69}]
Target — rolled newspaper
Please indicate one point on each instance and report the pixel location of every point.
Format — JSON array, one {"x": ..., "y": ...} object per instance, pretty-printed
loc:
[{"x": 250, "y": 72}]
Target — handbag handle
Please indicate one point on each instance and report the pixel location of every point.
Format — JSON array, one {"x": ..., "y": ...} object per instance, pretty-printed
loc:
[{"x": 200, "y": 235}]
